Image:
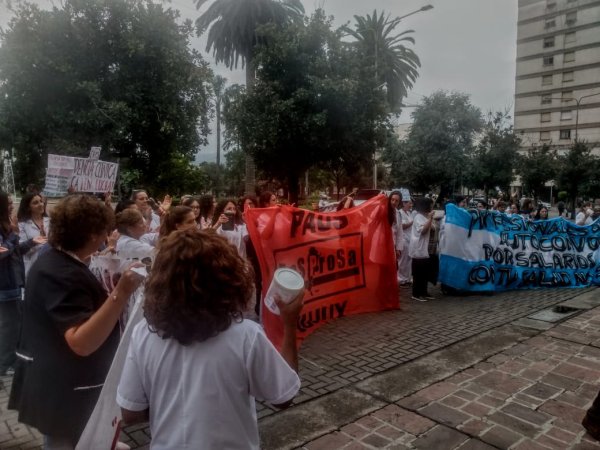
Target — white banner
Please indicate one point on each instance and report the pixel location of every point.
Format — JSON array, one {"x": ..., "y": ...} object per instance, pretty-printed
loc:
[{"x": 80, "y": 174}]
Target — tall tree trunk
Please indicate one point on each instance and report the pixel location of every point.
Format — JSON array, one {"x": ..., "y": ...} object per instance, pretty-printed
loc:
[
  {"x": 293, "y": 188},
  {"x": 250, "y": 185},
  {"x": 218, "y": 110}
]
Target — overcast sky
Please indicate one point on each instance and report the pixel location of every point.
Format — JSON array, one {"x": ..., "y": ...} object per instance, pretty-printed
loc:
[{"x": 464, "y": 45}]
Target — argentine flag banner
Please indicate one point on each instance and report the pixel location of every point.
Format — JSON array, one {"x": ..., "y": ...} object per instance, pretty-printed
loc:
[{"x": 492, "y": 251}]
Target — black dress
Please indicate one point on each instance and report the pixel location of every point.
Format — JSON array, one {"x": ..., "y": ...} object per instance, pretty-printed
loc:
[{"x": 54, "y": 389}]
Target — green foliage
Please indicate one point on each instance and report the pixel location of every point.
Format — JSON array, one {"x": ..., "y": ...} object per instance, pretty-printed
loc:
[
  {"x": 115, "y": 73},
  {"x": 492, "y": 162},
  {"x": 436, "y": 151},
  {"x": 536, "y": 168},
  {"x": 385, "y": 57},
  {"x": 234, "y": 175},
  {"x": 233, "y": 23},
  {"x": 310, "y": 105},
  {"x": 578, "y": 170}
]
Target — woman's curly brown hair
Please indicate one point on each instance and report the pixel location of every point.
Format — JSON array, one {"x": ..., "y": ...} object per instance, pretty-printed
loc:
[
  {"x": 198, "y": 286},
  {"x": 76, "y": 218}
]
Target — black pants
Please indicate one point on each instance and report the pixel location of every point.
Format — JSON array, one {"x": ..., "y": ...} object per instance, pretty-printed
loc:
[
  {"x": 424, "y": 270},
  {"x": 10, "y": 323},
  {"x": 420, "y": 273}
]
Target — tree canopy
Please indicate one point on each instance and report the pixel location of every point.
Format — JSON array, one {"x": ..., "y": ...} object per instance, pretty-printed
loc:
[
  {"x": 435, "y": 153},
  {"x": 536, "y": 167},
  {"x": 386, "y": 57},
  {"x": 310, "y": 105},
  {"x": 492, "y": 163},
  {"x": 115, "y": 73}
]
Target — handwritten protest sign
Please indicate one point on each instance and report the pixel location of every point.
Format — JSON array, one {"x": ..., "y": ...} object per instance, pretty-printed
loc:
[
  {"x": 347, "y": 260},
  {"x": 58, "y": 175},
  {"x": 491, "y": 251},
  {"x": 80, "y": 174}
]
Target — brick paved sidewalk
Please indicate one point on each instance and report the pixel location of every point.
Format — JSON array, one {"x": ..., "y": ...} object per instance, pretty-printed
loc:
[
  {"x": 357, "y": 348},
  {"x": 529, "y": 397}
]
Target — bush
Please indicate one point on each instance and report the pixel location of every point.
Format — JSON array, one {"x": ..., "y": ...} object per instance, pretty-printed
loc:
[{"x": 562, "y": 196}]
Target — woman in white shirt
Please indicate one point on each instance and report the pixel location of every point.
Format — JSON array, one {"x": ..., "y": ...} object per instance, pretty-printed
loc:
[
  {"x": 584, "y": 216},
  {"x": 33, "y": 222},
  {"x": 131, "y": 226},
  {"x": 419, "y": 248},
  {"x": 217, "y": 363},
  {"x": 395, "y": 220},
  {"x": 405, "y": 262},
  {"x": 229, "y": 224}
]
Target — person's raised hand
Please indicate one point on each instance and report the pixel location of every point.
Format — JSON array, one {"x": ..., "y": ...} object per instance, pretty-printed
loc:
[
  {"x": 130, "y": 280},
  {"x": 166, "y": 203},
  {"x": 290, "y": 312}
]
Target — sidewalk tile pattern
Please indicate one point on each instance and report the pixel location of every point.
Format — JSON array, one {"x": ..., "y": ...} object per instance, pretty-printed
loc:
[
  {"x": 353, "y": 348},
  {"x": 532, "y": 396}
]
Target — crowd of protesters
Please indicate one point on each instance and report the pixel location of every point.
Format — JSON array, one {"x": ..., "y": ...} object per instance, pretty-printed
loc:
[{"x": 59, "y": 326}]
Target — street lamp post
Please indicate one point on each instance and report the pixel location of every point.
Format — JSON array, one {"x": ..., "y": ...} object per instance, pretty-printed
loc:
[{"x": 578, "y": 102}]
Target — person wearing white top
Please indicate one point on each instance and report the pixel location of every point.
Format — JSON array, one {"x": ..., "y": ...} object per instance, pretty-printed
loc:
[
  {"x": 33, "y": 223},
  {"x": 396, "y": 223},
  {"x": 405, "y": 262},
  {"x": 152, "y": 220},
  {"x": 131, "y": 226},
  {"x": 229, "y": 224},
  {"x": 419, "y": 248},
  {"x": 218, "y": 363},
  {"x": 584, "y": 216}
]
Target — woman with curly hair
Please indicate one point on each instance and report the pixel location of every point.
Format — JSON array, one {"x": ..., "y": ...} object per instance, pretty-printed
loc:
[
  {"x": 193, "y": 325},
  {"x": 70, "y": 325},
  {"x": 33, "y": 223}
]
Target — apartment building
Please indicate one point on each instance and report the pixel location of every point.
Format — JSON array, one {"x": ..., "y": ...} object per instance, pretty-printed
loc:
[{"x": 557, "y": 93}]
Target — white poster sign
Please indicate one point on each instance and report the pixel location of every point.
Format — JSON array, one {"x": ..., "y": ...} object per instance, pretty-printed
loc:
[{"x": 79, "y": 174}]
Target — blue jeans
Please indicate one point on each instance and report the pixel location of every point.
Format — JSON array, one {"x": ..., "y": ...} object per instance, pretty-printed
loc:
[{"x": 10, "y": 323}]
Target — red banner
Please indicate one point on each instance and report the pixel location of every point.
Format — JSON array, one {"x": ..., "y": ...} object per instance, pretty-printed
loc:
[{"x": 347, "y": 260}]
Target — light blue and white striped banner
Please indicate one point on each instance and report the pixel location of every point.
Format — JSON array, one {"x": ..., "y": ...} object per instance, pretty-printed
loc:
[{"x": 492, "y": 251}]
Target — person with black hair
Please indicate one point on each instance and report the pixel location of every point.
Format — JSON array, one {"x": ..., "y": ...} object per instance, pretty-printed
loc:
[
  {"x": 33, "y": 222},
  {"x": 419, "y": 248},
  {"x": 207, "y": 210},
  {"x": 12, "y": 281}
]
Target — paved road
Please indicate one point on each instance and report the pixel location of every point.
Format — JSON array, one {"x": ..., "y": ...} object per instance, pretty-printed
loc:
[{"x": 357, "y": 348}]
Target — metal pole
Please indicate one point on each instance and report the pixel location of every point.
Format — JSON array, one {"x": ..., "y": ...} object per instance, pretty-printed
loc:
[
  {"x": 375, "y": 169},
  {"x": 578, "y": 101}
]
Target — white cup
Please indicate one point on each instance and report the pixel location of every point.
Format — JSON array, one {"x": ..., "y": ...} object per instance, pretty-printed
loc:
[{"x": 287, "y": 283}]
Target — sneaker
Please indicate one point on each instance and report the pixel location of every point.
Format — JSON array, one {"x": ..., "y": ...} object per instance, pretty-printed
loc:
[
  {"x": 419, "y": 299},
  {"x": 428, "y": 297}
]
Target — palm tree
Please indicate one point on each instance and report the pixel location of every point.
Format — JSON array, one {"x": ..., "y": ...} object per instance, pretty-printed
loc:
[
  {"x": 232, "y": 37},
  {"x": 393, "y": 63}
]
